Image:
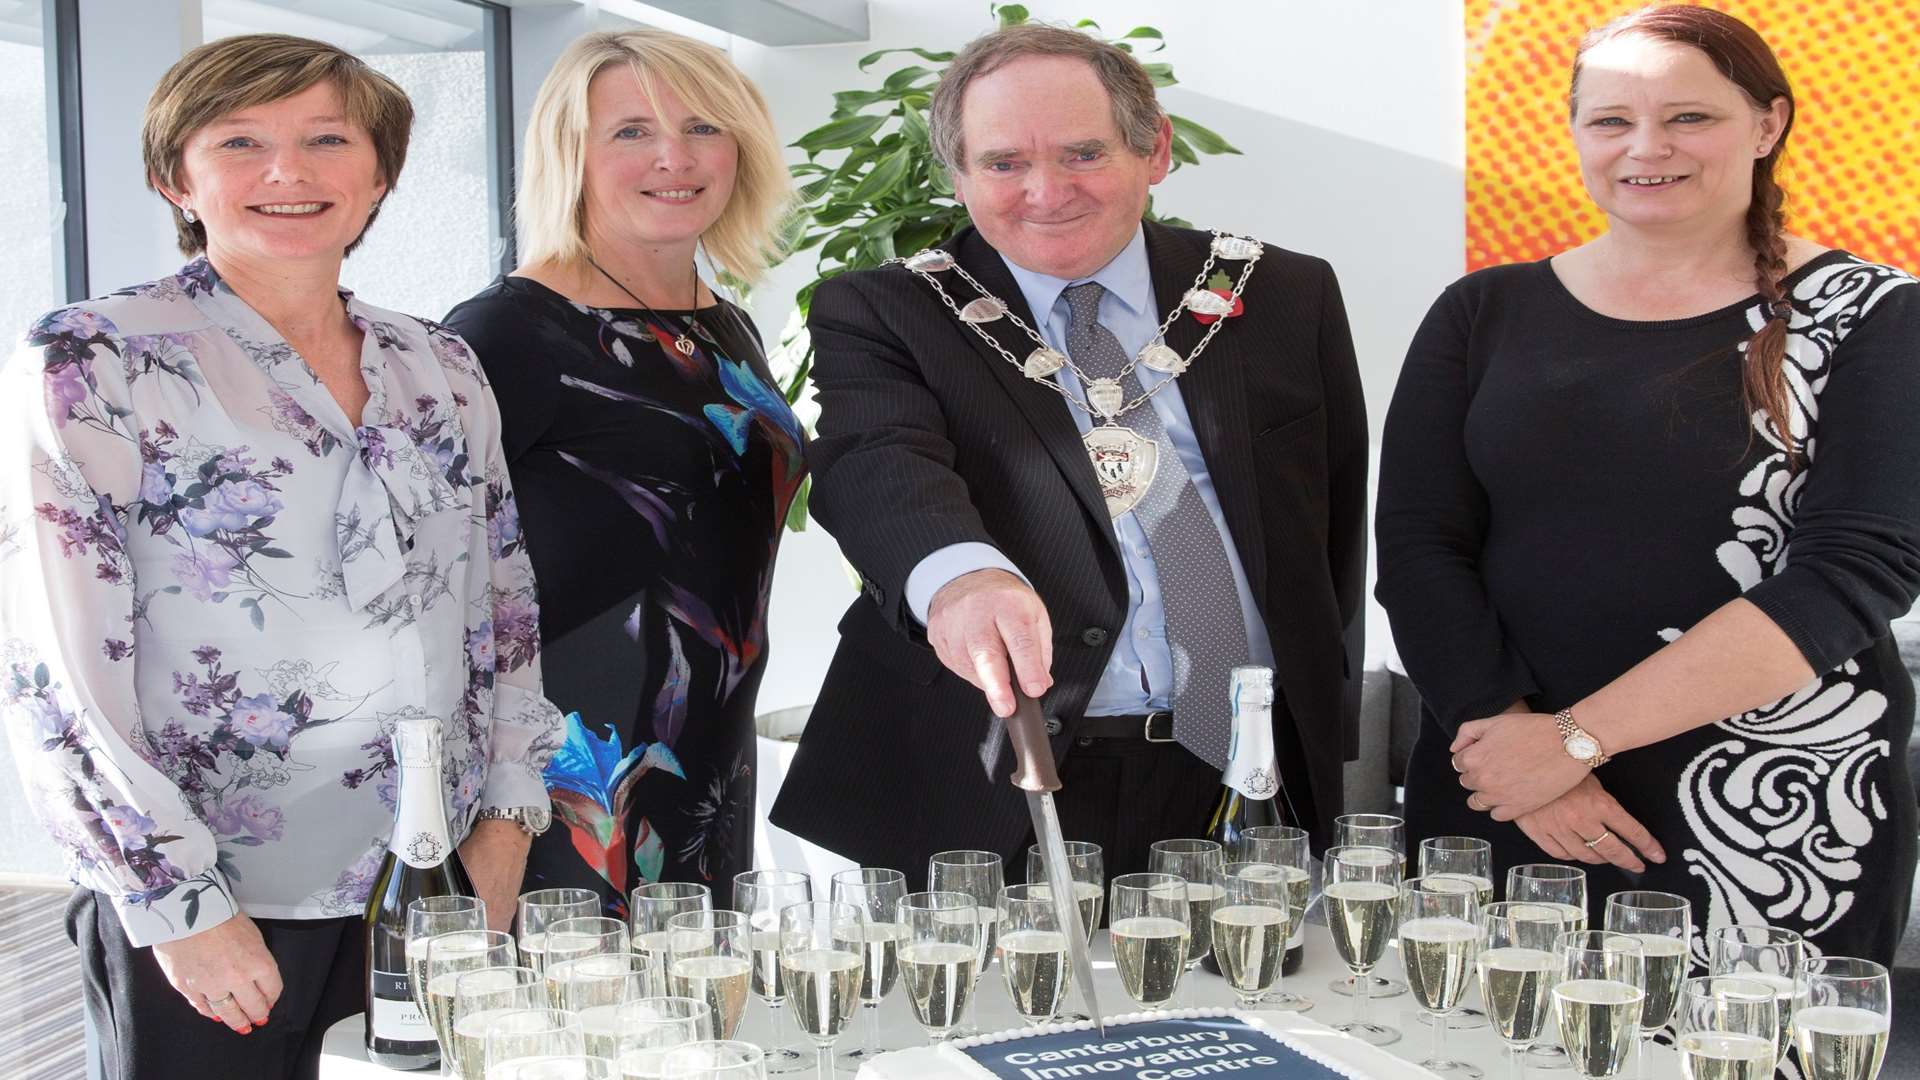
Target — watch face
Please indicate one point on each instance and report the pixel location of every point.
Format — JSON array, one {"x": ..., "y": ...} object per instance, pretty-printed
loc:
[
  {"x": 539, "y": 820},
  {"x": 1583, "y": 747}
]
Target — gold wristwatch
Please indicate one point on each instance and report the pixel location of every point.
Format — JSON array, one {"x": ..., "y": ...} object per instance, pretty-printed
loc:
[{"x": 1580, "y": 743}]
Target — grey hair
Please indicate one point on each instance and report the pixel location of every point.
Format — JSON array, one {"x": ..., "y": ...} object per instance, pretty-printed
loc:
[{"x": 1136, "y": 110}]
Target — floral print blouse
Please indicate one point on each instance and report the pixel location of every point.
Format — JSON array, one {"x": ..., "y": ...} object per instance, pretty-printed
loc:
[{"x": 218, "y": 594}]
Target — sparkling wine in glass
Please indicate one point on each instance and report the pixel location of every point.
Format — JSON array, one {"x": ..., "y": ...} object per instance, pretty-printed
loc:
[
  {"x": 479, "y": 996},
  {"x": 877, "y": 892},
  {"x": 530, "y": 1033},
  {"x": 1033, "y": 952},
  {"x": 1087, "y": 865},
  {"x": 980, "y": 875},
  {"x": 594, "y": 987},
  {"x": 1663, "y": 922},
  {"x": 1471, "y": 859},
  {"x": 573, "y": 939},
  {"x": 709, "y": 957},
  {"x": 650, "y": 907},
  {"x": 822, "y": 954},
  {"x": 1285, "y": 846},
  {"x": 1603, "y": 980},
  {"x": 1148, "y": 923},
  {"x": 540, "y": 909},
  {"x": 447, "y": 957},
  {"x": 1362, "y": 895},
  {"x": 761, "y": 895},
  {"x": 1518, "y": 968},
  {"x": 1770, "y": 954},
  {"x": 650, "y": 1026},
  {"x": 1439, "y": 941},
  {"x": 1841, "y": 1028},
  {"x": 1251, "y": 927},
  {"x": 1726, "y": 1026},
  {"x": 722, "y": 1059},
  {"x": 554, "y": 1067},
  {"x": 430, "y": 916},
  {"x": 1377, "y": 831},
  {"x": 1200, "y": 862},
  {"x": 1559, "y": 886},
  {"x": 939, "y": 957}
]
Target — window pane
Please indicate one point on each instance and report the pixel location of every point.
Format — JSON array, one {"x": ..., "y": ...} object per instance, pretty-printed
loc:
[
  {"x": 432, "y": 246},
  {"x": 27, "y": 223}
]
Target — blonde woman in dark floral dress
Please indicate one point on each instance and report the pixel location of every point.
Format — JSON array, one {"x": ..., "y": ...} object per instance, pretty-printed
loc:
[{"x": 654, "y": 457}]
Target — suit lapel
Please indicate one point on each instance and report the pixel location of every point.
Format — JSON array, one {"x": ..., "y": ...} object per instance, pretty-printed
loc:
[
  {"x": 1043, "y": 406},
  {"x": 1215, "y": 393}
]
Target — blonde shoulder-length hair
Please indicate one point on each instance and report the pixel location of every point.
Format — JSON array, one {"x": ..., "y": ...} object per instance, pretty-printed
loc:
[{"x": 551, "y": 207}]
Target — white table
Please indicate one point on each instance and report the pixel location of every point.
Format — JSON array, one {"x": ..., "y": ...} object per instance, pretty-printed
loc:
[{"x": 344, "y": 1058}]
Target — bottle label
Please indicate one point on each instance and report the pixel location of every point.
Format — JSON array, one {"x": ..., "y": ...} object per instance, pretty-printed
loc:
[
  {"x": 395, "y": 1014},
  {"x": 420, "y": 826}
]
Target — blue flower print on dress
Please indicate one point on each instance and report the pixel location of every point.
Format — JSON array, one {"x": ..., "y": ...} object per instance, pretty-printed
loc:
[{"x": 591, "y": 783}]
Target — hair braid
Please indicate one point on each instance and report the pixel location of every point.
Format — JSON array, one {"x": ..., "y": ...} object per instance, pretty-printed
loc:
[{"x": 1763, "y": 370}]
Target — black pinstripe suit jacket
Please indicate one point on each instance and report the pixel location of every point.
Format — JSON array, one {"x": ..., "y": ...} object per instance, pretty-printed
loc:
[{"x": 927, "y": 438}]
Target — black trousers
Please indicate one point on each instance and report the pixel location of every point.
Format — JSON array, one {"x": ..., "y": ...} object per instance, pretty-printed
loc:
[
  {"x": 1124, "y": 794},
  {"x": 147, "y": 1031}
]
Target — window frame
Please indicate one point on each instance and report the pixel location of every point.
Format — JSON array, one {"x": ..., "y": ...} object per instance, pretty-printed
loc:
[{"x": 60, "y": 47}]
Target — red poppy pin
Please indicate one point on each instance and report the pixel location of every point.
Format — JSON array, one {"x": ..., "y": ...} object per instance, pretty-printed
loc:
[{"x": 1221, "y": 286}]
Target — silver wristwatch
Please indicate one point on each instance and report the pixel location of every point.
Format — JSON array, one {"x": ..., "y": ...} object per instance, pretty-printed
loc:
[{"x": 534, "y": 820}]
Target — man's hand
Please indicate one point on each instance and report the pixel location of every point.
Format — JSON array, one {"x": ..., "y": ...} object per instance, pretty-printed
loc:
[
  {"x": 978, "y": 621},
  {"x": 1562, "y": 828},
  {"x": 225, "y": 973},
  {"x": 495, "y": 855}
]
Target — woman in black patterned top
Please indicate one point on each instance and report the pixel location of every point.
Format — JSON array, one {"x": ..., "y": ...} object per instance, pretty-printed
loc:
[
  {"x": 659, "y": 459},
  {"x": 1663, "y": 481}
]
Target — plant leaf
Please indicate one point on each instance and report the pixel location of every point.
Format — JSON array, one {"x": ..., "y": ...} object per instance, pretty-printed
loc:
[
  {"x": 884, "y": 178},
  {"x": 924, "y": 54},
  {"x": 1200, "y": 138},
  {"x": 1162, "y": 74},
  {"x": 797, "y": 510},
  {"x": 1183, "y": 154},
  {"x": 913, "y": 126},
  {"x": 1009, "y": 14},
  {"x": 840, "y": 134},
  {"x": 905, "y": 77}
]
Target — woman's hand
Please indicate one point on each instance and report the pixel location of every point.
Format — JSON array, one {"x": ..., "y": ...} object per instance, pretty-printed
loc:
[
  {"x": 495, "y": 856},
  {"x": 225, "y": 973},
  {"x": 1562, "y": 828},
  {"x": 1513, "y": 764}
]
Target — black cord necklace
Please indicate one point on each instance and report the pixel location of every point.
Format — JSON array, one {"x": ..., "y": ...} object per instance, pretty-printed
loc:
[{"x": 683, "y": 342}]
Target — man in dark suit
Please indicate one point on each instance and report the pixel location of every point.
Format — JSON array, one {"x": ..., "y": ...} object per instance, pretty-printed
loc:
[{"x": 1115, "y": 534}]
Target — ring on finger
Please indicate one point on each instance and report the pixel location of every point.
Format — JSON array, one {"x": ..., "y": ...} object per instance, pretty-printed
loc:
[
  {"x": 1598, "y": 840},
  {"x": 214, "y": 1003}
]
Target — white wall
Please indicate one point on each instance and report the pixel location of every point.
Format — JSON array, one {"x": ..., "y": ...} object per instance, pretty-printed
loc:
[{"x": 1350, "y": 117}]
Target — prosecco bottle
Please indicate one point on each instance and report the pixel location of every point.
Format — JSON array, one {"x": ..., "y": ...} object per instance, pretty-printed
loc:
[
  {"x": 1248, "y": 786},
  {"x": 420, "y": 861}
]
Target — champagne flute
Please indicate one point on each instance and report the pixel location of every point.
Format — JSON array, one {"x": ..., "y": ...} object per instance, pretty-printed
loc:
[
  {"x": 1033, "y": 952},
  {"x": 710, "y": 958},
  {"x": 1462, "y": 856},
  {"x": 479, "y": 996},
  {"x": 714, "y": 1060},
  {"x": 1603, "y": 980},
  {"x": 542, "y": 908},
  {"x": 1439, "y": 941},
  {"x": 1086, "y": 864},
  {"x": 1377, "y": 831},
  {"x": 1556, "y": 886},
  {"x": 555, "y": 1067},
  {"x": 447, "y": 957},
  {"x": 1726, "y": 1027},
  {"x": 1251, "y": 927},
  {"x": 649, "y": 1027},
  {"x": 939, "y": 957},
  {"x": 594, "y": 987},
  {"x": 1663, "y": 922},
  {"x": 1286, "y": 847},
  {"x": 571, "y": 939},
  {"x": 655, "y": 903},
  {"x": 1842, "y": 1027},
  {"x": 430, "y": 916},
  {"x": 1200, "y": 863},
  {"x": 822, "y": 952},
  {"x": 1769, "y": 954},
  {"x": 877, "y": 892},
  {"x": 1363, "y": 888},
  {"x": 1148, "y": 923},
  {"x": 1518, "y": 967},
  {"x": 761, "y": 895},
  {"x": 530, "y": 1033},
  {"x": 980, "y": 875}
]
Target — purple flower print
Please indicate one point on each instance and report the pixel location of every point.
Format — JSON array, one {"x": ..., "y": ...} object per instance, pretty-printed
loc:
[
  {"x": 129, "y": 826},
  {"x": 258, "y": 720},
  {"x": 205, "y": 572},
  {"x": 76, "y": 322},
  {"x": 115, "y": 649},
  {"x": 232, "y": 506},
  {"x": 516, "y": 630},
  {"x": 374, "y": 449},
  {"x": 248, "y": 815},
  {"x": 503, "y": 526},
  {"x": 480, "y": 648},
  {"x": 156, "y": 487},
  {"x": 66, "y": 387}
]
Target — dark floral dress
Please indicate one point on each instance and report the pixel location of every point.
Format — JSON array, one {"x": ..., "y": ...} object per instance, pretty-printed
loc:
[{"x": 653, "y": 490}]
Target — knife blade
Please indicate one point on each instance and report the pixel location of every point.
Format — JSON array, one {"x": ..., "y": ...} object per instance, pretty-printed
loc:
[{"x": 1035, "y": 774}]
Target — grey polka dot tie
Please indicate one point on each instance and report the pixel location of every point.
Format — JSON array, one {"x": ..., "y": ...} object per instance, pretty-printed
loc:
[{"x": 1205, "y": 630}]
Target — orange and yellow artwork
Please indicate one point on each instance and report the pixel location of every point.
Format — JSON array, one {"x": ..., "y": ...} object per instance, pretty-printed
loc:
[{"x": 1852, "y": 168}]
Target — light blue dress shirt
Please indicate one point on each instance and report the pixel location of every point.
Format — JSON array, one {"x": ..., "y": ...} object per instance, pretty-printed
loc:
[{"x": 1139, "y": 674}]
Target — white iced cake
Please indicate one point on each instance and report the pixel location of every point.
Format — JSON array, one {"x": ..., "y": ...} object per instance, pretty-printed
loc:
[{"x": 1174, "y": 1044}]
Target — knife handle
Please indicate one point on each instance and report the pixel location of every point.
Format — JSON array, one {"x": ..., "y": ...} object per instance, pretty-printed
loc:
[{"x": 1033, "y": 768}]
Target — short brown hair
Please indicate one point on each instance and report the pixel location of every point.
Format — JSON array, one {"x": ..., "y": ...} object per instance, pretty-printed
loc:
[
  {"x": 1136, "y": 110},
  {"x": 235, "y": 73}
]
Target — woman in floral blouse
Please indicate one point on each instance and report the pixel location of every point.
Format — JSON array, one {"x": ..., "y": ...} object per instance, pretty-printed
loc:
[{"x": 247, "y": 522}]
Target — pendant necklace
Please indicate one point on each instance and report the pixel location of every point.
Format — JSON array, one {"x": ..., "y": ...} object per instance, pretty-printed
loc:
[
  {"x": 683, "y": 342},
  {"x": 1123, "y": 461}
]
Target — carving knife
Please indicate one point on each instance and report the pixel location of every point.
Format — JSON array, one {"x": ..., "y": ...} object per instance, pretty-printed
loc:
[{"x": 1034, "y": 773}]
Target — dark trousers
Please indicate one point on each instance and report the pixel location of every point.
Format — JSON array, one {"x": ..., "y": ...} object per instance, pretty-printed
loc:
[
  {"x": 147, "y": 1031},
  {"x": 1124, "y": 794}
]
